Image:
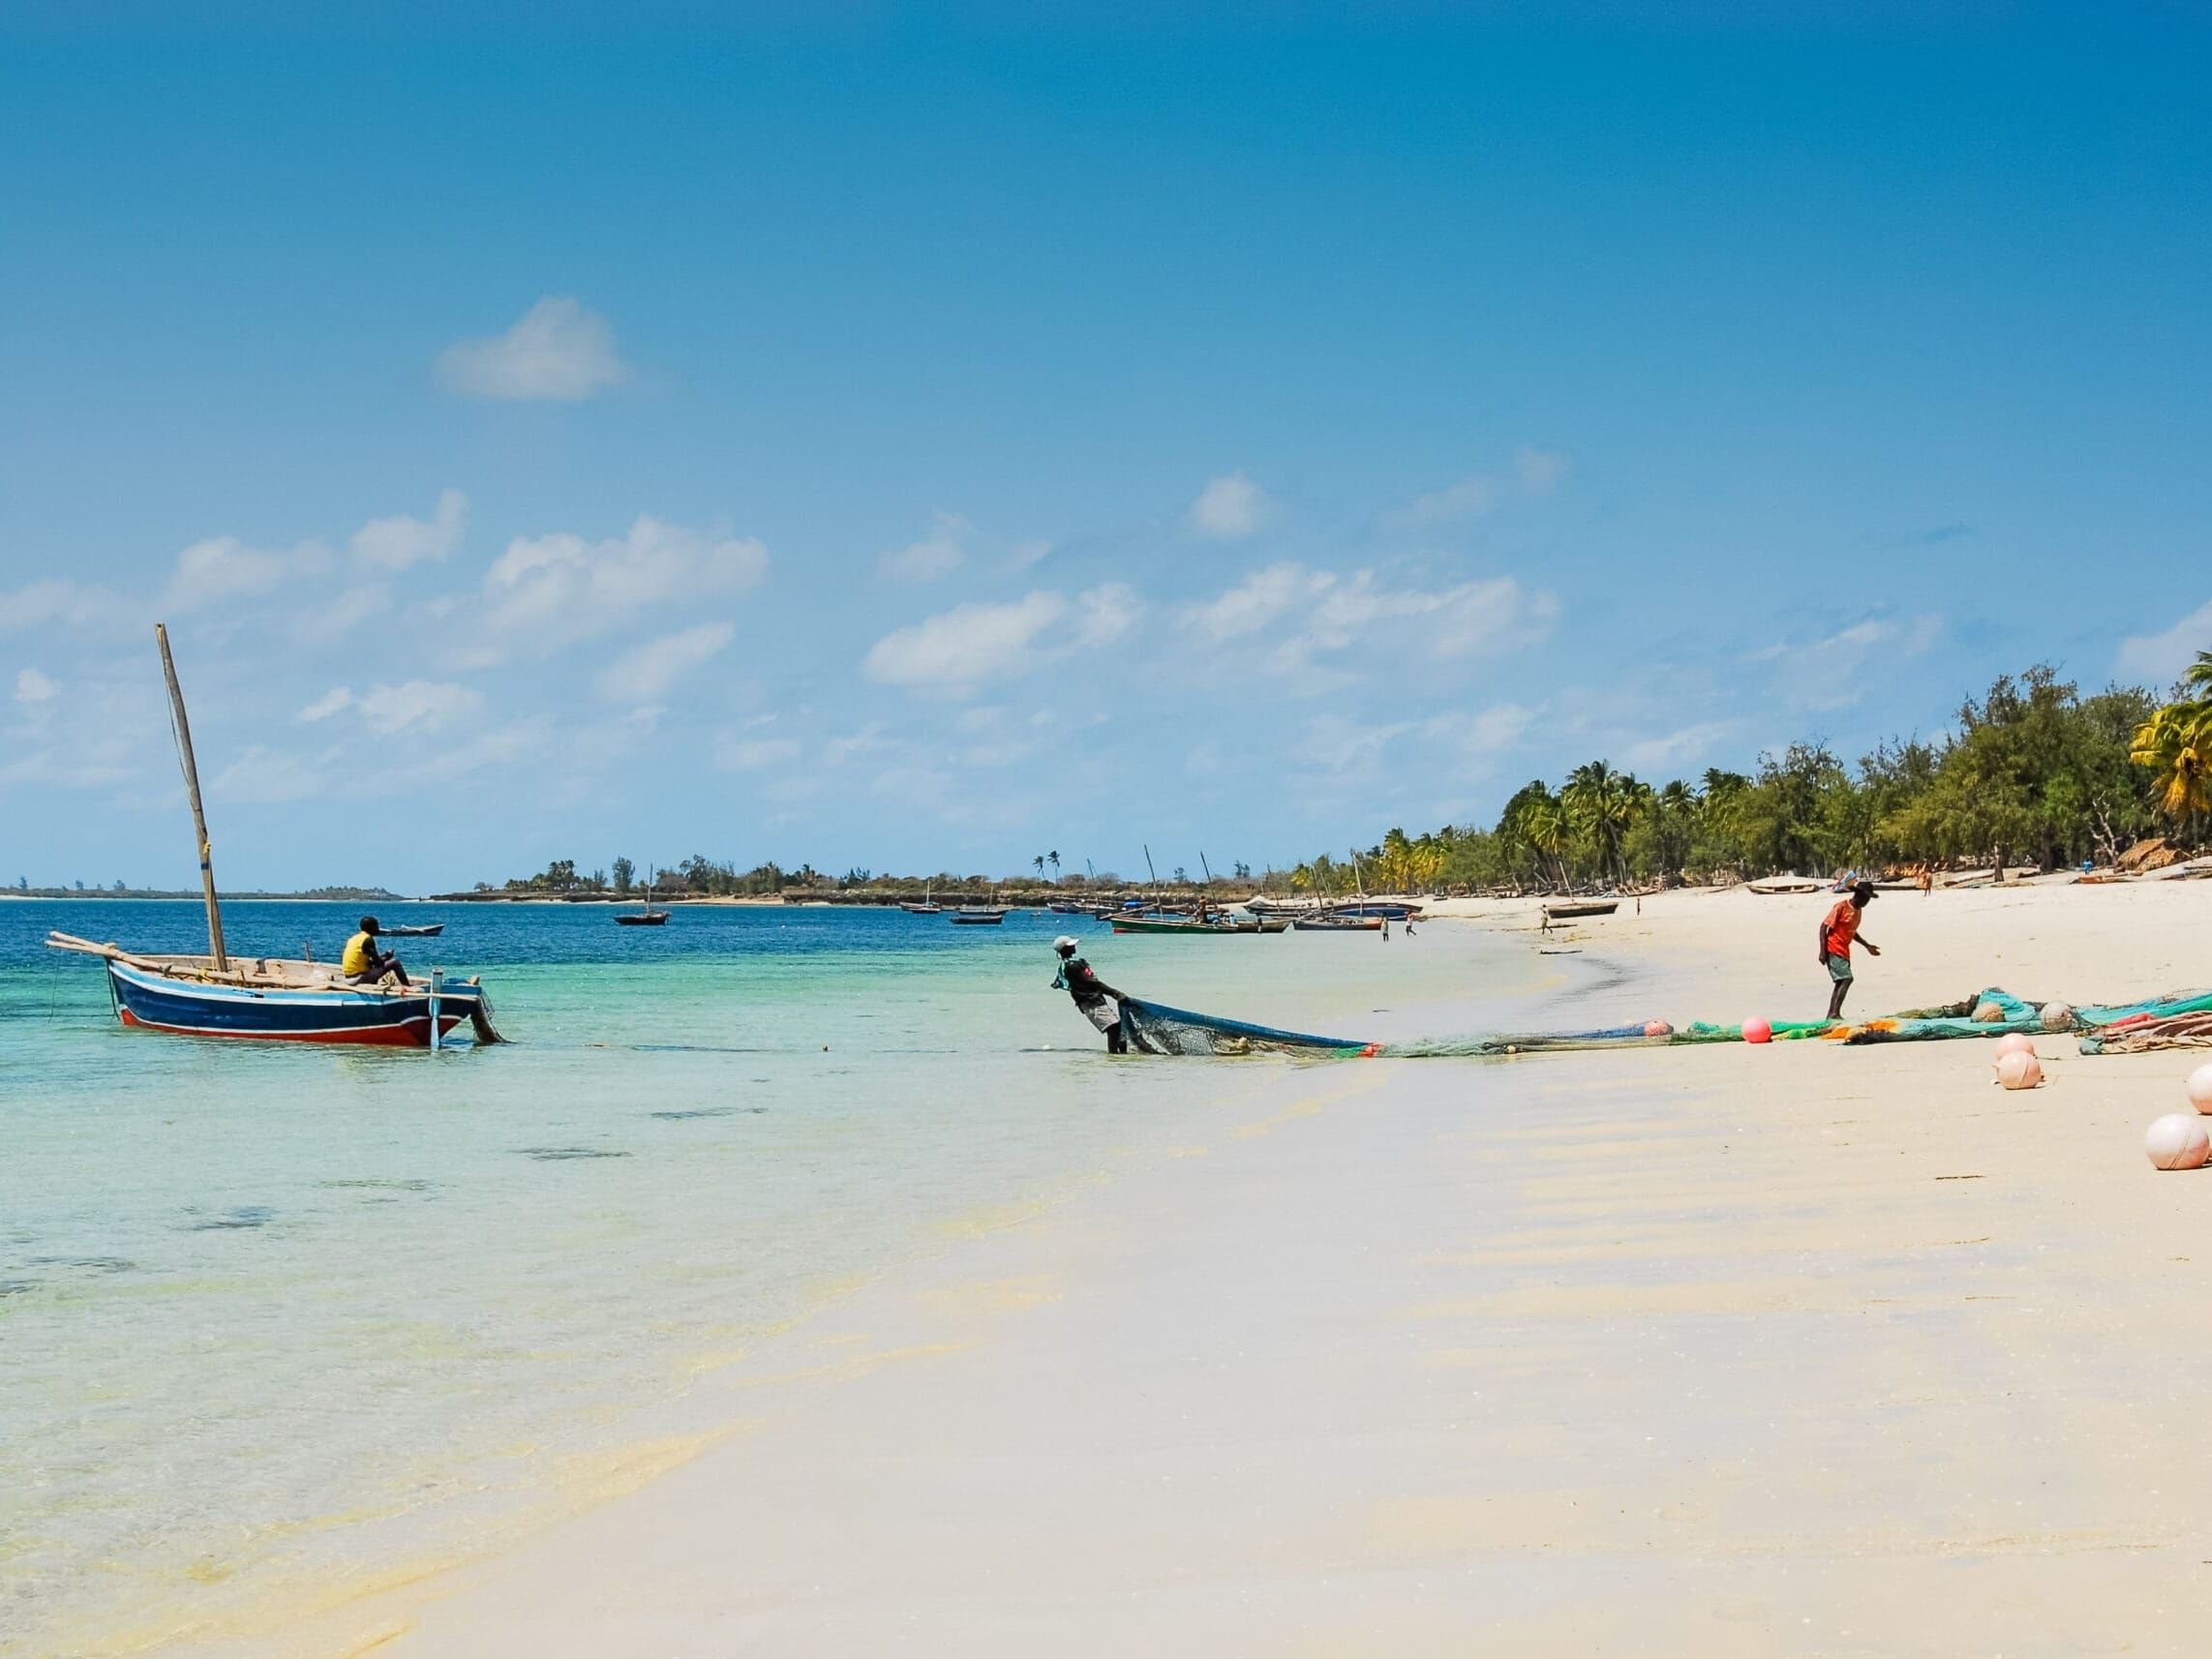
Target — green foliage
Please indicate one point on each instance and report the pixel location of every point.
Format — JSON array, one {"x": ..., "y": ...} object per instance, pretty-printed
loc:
[{"x": 2032, "y": 770}]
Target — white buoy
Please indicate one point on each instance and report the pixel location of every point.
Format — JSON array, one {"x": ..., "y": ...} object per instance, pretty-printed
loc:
[
  {"x": 2057, "y": 1017},
  {"x": 2200, "y": 1087},
  {"x": 2179, "y": 1141},
  {"x": 2017, "y": 1071}
]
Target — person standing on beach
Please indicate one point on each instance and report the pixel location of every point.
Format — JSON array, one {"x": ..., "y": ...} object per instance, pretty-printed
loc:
[
  {"x": 1099, "y": 1002},
  {"x": 1838, "y": 929}
]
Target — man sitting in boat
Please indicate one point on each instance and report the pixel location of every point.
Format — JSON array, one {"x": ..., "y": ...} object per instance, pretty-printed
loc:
[
  {"x": 1099, "y": 1001},
  {"x": 363, "y": 964}
]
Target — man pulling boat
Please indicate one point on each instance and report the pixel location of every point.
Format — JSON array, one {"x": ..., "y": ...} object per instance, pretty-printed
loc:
[{"x": 1098, "y": 1002}]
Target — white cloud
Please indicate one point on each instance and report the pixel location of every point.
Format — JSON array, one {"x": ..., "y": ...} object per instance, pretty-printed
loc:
[
  {"x": 1328, "y": 613},
  {"x": 1468, "y": 498},
  {"x": 646, "y": 674},
  {"x": 1541, "y": 470},
  {"x": 554, "y": 589},
  {"x": 940, "y": 552},
  {"x": 1105, "y": 613},
  {"x": 1253, "y": 603},
  {"x": 1025, "y": 554},
  {"x": 265, "y": 777},
  {"x": 400, "y": 541},
  {"x": 559, "y": 352},
  {"x": 418, "y": 705},
  {"x": 224, "y": 567},
  {"x": 32, "y": 687},
  {"x": 1824, "y": 673},
  {"x": 70, "y": 603},
  {"x": 336, "y": 699},
  {"x": 1338, "y": 744},
  {"x": 318, "y": 623},
  {"x": 965, "y": 646},
  {"x": 1230, "y": 507},
  {"x": 1667, "y": 751},
  {"x": 756, "y": 754},
  {"x": 2161, "y": 657}
]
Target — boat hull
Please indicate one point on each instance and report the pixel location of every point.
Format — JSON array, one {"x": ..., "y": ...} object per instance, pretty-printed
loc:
[{"x": 361, "y": 1015}]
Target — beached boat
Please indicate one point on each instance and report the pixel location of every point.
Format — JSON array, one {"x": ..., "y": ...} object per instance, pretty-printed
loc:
[
  {"x": 1339, "y": 924},
  {"x": 1769, "y": 886},
  {"x": 1574, "y": 911},
  {"x": 263, "y": 998}
]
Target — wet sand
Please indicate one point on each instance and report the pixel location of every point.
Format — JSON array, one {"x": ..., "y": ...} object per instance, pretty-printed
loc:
[{"x": 1720, "y": 1351}]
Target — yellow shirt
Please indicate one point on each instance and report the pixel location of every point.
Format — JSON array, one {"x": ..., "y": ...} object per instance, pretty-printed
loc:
[{"x": 360, "y": 954}]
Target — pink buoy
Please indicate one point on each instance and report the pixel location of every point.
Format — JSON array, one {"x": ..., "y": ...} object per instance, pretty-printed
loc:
[
  {"x": 2200, "y": 1087},
  {"x": 2179, "y": 1141},
  {"x": 2020, "y": 1070},
  {"x": 1758, "y": 1031},
  {"x": 2016, "y": 1042},
  {"x": 1660, "y": 1028}
]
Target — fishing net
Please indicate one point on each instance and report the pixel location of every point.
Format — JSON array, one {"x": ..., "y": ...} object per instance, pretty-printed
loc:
[
  {"x": 1152, "y": 1028},
  {"x": 2177, "y": 1021}
]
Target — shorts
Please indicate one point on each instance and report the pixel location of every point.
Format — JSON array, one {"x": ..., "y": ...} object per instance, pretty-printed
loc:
[
  {"x": 1839, "y": 970},
  {"x": 1101, "y": 1011}
]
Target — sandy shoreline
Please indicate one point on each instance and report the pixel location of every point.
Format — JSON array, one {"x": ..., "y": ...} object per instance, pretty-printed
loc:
[{"x": 1713, "y": 1351}]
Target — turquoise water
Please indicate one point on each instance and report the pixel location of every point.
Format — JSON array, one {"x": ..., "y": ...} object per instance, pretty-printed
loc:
[{"x": 277, "y": 1314}]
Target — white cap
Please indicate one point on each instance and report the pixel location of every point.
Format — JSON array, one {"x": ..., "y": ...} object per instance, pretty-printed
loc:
[{"x": 1066, "y": 942}]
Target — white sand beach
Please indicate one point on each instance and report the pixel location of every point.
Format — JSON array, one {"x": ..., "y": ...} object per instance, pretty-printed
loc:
[{"x": 1801, "y": 1349}]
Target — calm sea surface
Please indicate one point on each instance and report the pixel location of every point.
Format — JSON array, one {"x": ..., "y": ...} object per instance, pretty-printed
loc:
[{"x": 274, "y": 1316}]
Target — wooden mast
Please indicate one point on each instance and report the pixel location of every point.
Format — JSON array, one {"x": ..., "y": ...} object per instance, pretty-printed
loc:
[{"x": 183, "y": 731}]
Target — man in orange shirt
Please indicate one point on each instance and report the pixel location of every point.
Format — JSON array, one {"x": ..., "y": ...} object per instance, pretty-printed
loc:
[{"x": 1838, "y": 929}]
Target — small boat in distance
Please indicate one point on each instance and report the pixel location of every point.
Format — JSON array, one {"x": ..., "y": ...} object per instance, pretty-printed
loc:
[
  {"x": 648, "y": 916},
  {"x": 926, "y": 905},
  {"x": 1570, "y": 912},
  {"x": 1334, "y": 923},
  {"x": 421, "y": 930},
  {"x": 978, "y": 915},
  {"x": 262, "y": 998}
]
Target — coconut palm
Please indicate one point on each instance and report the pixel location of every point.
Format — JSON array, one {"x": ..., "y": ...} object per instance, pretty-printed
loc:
[
  {"x": 1600, "y": 803},
  {"x": 2176, "y": 744},
  {"x": 1053, "y": 858}
]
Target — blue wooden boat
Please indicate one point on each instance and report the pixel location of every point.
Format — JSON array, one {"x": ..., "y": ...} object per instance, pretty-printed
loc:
[
  {"x": 270, "y": 1000},
  {"x": 283, "y": 1001}
]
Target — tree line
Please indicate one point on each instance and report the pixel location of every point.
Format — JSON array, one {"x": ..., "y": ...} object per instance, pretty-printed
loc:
[{"x": 2033, "y": 772}]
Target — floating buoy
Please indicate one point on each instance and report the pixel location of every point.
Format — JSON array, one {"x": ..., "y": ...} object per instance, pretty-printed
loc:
[
  {"x": 1758, "y": 1031},
  {"x": 2179, "y": 1141},
  {"x": 2016, "y": 1042},
  {"x": 2020, "y": 1070},
  {"x": 2200, "y": 1087}
]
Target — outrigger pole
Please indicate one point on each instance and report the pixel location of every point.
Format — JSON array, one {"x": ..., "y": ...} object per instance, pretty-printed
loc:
[{"x": 181, "y": 729}]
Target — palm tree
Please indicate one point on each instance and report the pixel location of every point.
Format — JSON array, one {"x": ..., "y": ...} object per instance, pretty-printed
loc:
[
  {"x": 1039, "y": 861},
  {"x": 1054, "y": 857},
  {"x": 2176, "y": 744},
  {"x": 1600, "y": 803}
]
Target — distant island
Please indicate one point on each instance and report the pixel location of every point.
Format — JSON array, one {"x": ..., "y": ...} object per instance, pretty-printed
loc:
[{"x": 123, "y": 890}]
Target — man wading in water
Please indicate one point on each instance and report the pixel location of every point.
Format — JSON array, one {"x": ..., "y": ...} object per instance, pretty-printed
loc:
[
  {"x": 1838, "y": 929},
  {"x": 1099, "y": 1001}
]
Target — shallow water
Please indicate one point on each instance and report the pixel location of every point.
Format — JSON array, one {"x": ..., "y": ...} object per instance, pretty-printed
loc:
[{"x": 278, "y": 1314}]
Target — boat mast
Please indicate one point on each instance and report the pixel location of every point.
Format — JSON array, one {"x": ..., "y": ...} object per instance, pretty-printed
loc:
[{"x": 181, "y": 728}]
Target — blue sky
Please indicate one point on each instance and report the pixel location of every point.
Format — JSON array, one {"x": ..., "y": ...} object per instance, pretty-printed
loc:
[{"x": 921, "y": 439}]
